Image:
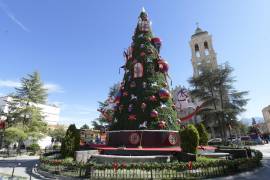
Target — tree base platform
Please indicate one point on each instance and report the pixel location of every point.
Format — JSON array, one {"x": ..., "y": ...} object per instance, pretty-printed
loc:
[{"x": 143, "y": 138}]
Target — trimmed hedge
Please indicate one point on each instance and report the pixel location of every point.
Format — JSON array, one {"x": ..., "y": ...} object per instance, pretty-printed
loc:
[
  {"x": 236, "y": 153},
  {"x": 203, "y": 134},
  {"x": 232, "y": 166},
  {"x": 189, "y": 139}
]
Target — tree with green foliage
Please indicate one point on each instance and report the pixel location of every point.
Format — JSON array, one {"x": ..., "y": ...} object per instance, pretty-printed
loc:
[
  {"x": 23, "y": 110},
  {"x": 143, "y": 98},
  {"x": 85, "y": 126},
  {"x": 57, "y": 133},
  {"x": 243, "y": 128},
  {"x": 105, "y": 109},
  {"x": 29, "y": 95},
  {"x": 214, "y": 87},
  {"x": 202, "y": 134},
  {"x": 32, "y": 89},
  {"x": 71, "y": 141},
  {"x": 189, "y": 137},
  {"x": 14, "y": 134}
]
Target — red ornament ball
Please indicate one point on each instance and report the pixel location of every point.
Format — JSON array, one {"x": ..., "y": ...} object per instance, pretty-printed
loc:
[
  {"x": 163, "y": 66},
  {"x": 154, "y": 114},
  {"x": 156, "y": 42},
  {"x": 164, "y": 94}
]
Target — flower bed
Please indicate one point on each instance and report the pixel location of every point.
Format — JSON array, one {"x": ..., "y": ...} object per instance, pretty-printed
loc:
[{"x": 199, "y": 169}]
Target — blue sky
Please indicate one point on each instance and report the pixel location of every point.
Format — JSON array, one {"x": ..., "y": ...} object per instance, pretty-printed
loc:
[{"x": 77, "y": 45}]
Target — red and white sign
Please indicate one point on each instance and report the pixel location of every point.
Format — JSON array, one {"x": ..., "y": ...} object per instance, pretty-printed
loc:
[
  {"x": 134, "y": 138},
  {"x": 172, "y": 139}
]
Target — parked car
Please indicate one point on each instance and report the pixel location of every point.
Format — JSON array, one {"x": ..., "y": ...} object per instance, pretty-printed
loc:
[
  {"x": 215, "y": 141},
  {"x": 245, "y": 138},
  {"x": 255, "y": 137}
]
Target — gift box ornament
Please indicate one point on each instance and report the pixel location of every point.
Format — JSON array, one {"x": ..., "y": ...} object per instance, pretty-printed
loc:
[{"x": 138, "y": 70}]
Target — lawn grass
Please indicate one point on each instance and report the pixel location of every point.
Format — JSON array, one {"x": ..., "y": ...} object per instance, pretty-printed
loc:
[{"x": 205, "y": 159}]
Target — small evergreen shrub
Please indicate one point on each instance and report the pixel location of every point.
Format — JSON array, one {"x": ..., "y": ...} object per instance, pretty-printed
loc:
[
  {"x": 71, "y": 142},
  {"x": 189, "y": 139},
  {"x": 202, "y": 134}
]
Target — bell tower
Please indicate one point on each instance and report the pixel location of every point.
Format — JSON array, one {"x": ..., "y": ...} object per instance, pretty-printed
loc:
[{"x": 202, "y": 50}]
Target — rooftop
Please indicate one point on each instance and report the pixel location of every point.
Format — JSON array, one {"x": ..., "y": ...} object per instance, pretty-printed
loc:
[{"x": 198, "y": 32}]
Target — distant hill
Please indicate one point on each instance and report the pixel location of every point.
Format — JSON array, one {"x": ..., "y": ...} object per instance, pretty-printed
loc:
[{"x": 248, "y": 121}]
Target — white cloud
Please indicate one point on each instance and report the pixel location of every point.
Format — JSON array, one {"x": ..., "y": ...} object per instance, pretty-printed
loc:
[
  {"x": 78, "y": 121},
  {"x": 79, "y": 109},
  {"x": 5, "y": 8},
  {"x": 51, "y": 87},
  {"x": 77, "y": 114},
  {"x": 9, "y": 83}
]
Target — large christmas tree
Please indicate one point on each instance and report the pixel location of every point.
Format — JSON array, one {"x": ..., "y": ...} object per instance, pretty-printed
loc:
[{"x": 144, "y": 100}]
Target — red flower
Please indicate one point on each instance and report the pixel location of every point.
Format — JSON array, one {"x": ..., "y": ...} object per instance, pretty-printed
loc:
[{"x": 115, "y": 166}]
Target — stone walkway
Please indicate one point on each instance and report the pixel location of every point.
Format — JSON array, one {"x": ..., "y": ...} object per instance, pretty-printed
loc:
[
  {"x": 24, "y": 166},
  {"x": 262, "y": 173}
]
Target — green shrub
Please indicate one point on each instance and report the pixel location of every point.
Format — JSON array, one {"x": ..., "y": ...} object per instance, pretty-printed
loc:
[
  {"x": 68, "y": 160},
  {"x": 34, "y": 148},
  {"x": 56, "y": 146},
  {"x": 202, "y": 133},
  {"x": 189, "y": 139},
  {"x": 71, "y": 141}
]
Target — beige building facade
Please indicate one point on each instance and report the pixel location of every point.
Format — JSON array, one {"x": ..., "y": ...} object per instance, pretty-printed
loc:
[
  {"x": 266, "y": 116},
  {"x": 202, "y": 51}
]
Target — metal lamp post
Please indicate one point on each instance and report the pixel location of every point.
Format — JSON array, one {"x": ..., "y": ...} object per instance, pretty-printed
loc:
[
  {"x": 35, "y": 166},
  {"x": 15, "y": 165}
]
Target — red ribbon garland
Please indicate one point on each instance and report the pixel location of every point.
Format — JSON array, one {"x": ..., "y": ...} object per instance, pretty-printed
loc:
[{"x": 188, "y": 117}]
